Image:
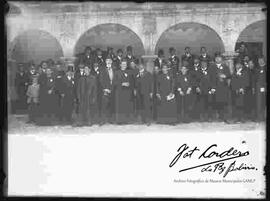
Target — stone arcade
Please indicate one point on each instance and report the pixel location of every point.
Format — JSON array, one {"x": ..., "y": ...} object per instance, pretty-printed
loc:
[{"x": 61, "y": 30}]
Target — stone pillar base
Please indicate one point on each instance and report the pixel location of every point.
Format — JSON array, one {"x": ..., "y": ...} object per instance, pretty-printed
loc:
[{"x": 148, "y": 61}]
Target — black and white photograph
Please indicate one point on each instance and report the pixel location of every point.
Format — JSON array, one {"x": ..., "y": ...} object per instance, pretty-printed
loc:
[{"x": 142, "y": 100}]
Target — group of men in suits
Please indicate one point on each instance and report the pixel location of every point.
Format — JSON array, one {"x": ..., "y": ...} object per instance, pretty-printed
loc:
[{"x": 109, "y": 88}]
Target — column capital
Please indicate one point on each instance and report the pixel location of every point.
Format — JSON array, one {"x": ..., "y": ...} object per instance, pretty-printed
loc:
[{"x": 230, "y": 54}]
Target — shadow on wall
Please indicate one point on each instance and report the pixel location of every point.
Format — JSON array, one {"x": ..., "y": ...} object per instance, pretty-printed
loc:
[
  {"x": 191, "y": 34},
  {"x": 35, "y": 45},
  {"x": 112, "y": 35}
]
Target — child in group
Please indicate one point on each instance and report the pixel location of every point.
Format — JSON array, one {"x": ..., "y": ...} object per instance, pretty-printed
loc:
[{"x": 32, "y": 99}]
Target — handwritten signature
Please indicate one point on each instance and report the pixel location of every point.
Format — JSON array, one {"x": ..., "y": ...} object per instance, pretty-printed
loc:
[{"x": 217, "y": 165}]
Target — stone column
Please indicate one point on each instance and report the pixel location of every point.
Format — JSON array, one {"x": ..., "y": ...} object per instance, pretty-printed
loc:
[
  {"x": 149, "y": 29},
  {"x": 149, "y": 62},
  {"x": 229, "y": 59},
  {"x": 68, "y": 61}
]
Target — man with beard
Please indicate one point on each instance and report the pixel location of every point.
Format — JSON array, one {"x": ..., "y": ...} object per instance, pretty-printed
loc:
[
  {"x": 86, "y": 93},
  {"x": 107, "y": 79},
  {"x": 143, "y": 88},
  {"x": 123, "y": 94},
  {"x": 166, "y": 109}
]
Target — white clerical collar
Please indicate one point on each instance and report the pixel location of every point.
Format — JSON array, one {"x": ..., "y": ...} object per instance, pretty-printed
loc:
[
  {"x": 188, "y": 54},
  {"x": 204, "y": 55}
]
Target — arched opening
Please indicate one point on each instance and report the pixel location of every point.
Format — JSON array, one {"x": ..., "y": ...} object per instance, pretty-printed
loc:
[
  {"x": 35, "y": 45},
  {"x": 254, "y": 37},
  {"x": 193, "y": 35},
  {"x": 110, "y": 35}
]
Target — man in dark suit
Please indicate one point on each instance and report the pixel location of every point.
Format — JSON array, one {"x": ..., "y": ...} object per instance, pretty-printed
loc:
[
  {"x": 260, "y": 89},
  {"x": 239, "y": 85},
  {"x": 87, "y": 57},
  {"x": 188, "y": 57},
  {"x": 86, "y": 93},
  {"x": 158, "y": 61},
  {"x": 129, "y": 57},
  {"x": 99, "y": 58},
  {"x": 222, "y": 75},
  {"x": 58, "y": 76},
  {"x": 107, "y": 81},
  {"x": 143, "y": 88},
  {"x": 195, "y": 73},
  {"x": 67, "y": 92},
  {"x": 250, "y": 99},
  {"x": 207, "y": 91},
  {"x": 124, "y": 88},
  {"x": 110, "y": 54},
  {"x": 174, "y": 61},
  {"x": 166, "y": 108},
  {"x": 48, "y": 99},
  {"x": 96, "y": 71},
  {"x": 21, "y": 84},
  {"x": 242, "y": 51},
  {"x": 118, "y": 59},
  {"x": 185, "y": 94}
]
